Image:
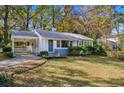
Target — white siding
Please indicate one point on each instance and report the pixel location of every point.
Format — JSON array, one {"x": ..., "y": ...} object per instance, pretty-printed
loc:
[
  {"x": 54, "y": 44},
  {"x": 74, "y": 43},
  {"x": 43, "y": 45}
]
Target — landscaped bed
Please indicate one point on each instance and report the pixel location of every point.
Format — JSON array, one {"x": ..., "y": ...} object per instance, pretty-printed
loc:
[{"x": 72, "y": 71}]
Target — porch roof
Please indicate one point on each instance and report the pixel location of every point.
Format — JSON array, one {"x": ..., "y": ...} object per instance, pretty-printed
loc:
[{"x": 23, "y": 33}]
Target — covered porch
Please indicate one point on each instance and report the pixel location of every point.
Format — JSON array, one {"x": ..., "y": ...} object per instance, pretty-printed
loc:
[{"x": 24, "y": 45}]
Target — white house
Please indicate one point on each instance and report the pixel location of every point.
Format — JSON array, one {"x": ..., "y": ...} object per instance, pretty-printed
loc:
[{"x": 40, "y": 40}]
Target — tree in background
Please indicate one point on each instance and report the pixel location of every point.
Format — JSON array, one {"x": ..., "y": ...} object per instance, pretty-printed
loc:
[{"x": 92, "y": 21}]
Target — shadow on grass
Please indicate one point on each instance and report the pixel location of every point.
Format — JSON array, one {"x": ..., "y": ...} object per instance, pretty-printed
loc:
[
  {"x": 68, "y": 77},
  {"x": 104, "y": 61},
  {"x": 116, "y": 82},
  {"x": 110, "y": 82},
  {"x": 57, "y": 81},
  {"x": 73, "y": 72},
  {"x": 19, "y": 72}
]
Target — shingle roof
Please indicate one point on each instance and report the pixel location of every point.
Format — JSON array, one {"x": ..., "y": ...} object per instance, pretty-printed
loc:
[
  {"x": 24, "y": 33},
  {"x": 79, "y": 36},
  {"x": 61, "y": 35},
  {"x": 50, "y": 34},
  {"x": 55, "y": 35}
]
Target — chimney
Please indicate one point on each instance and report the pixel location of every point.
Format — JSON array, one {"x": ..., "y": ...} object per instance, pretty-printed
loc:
[{"x": 53, "y": 29}]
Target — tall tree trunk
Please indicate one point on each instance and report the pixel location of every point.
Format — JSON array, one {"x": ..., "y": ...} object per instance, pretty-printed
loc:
[
  {"x": 53, "y": 16},
  {"x": 41, "y": 22},
  {"x": 28, "y": 17},
  {"x": 6, "y": 24}
]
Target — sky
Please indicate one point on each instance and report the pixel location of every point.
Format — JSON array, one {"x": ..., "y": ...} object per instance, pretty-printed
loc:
[{"x": 119, "y": 9}]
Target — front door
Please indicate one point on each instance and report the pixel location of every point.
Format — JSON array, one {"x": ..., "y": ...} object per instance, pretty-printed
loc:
[{"x": 50, "y": 45}]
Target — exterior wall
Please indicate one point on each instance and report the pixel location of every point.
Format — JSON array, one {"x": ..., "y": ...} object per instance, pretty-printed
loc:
[
  {"x": 62, "y": 52},
  {"x": 111, "y": 45},
  {"x": 43, "y": 45},
  {"x": 54, "y": 44}
]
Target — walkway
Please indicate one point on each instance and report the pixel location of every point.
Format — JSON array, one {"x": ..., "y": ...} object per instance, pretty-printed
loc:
[{"x": 18, "y": 59}]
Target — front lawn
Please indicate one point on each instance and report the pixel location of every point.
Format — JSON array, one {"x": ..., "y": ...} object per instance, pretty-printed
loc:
[{"x": 72, "y": 71}]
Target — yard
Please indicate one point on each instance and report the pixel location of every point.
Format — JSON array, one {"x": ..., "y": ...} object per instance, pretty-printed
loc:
[{"x": 70, "y": 71}]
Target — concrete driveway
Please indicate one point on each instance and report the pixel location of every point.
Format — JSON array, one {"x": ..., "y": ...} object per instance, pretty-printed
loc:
[{"x": 18, "y": 59}]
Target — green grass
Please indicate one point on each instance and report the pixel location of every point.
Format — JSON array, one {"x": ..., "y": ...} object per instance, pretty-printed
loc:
[{"x": 71, "y": 71}]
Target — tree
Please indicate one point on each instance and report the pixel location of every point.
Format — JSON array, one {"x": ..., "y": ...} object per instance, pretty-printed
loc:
[{"x": 6, "y": 24}]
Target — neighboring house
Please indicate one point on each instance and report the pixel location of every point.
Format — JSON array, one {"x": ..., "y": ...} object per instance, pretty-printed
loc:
[
  {"x": 119, "y": 40},
  {"x": 113, "y": 41},
  {"x": 40, "y": 40}
]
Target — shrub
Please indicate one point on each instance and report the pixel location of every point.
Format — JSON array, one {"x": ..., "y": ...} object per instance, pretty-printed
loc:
[
  {"x": 99, "y": 50},
  {"x": 75, "y": 50},
  {"x": 111, "y": 54},
  {"x": 121, "y": 55},
  {"x": 7, "y": 49},
  {"x": 90, "y": 49},
  {"x": 43, "y": 54},
  {"x": 9, "y": 54},
  {"x": 102, "y": 51},
  {"x": 5, "y": 80},
  {"x": 2, "y": 44},
  {"x": 85, "y": 49}
]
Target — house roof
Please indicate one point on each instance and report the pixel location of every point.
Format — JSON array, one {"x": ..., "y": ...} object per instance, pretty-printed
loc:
[
  {"x": 61, "y": 35},
  {"x": 50, "y": 34},
  {"x": 24, "y": 33},
  {"x": 55, "y": 35},
  {"x": 79, "y": 36}
]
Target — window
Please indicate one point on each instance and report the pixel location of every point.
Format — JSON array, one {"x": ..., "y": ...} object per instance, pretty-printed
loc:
[
  {"x": 86, "y": 43},
  {"x": 79, "y": 43},
  {"x": 90, "y": 44},
  {"x": 64, "y": 43},
  {"x": 58, "y": 43}
]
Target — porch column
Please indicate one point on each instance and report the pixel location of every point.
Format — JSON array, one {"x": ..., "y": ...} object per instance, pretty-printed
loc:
[
  {"x": 36, "y": 47},
  {"x": 60, "y": 44},
  {"x": 89, "y": 43},
  {"x": 12, "y": 45},
  {"x": 77, "y": 42},
  {"x": 69, "y": 43},
  {"x": 92, "y": 44}
]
